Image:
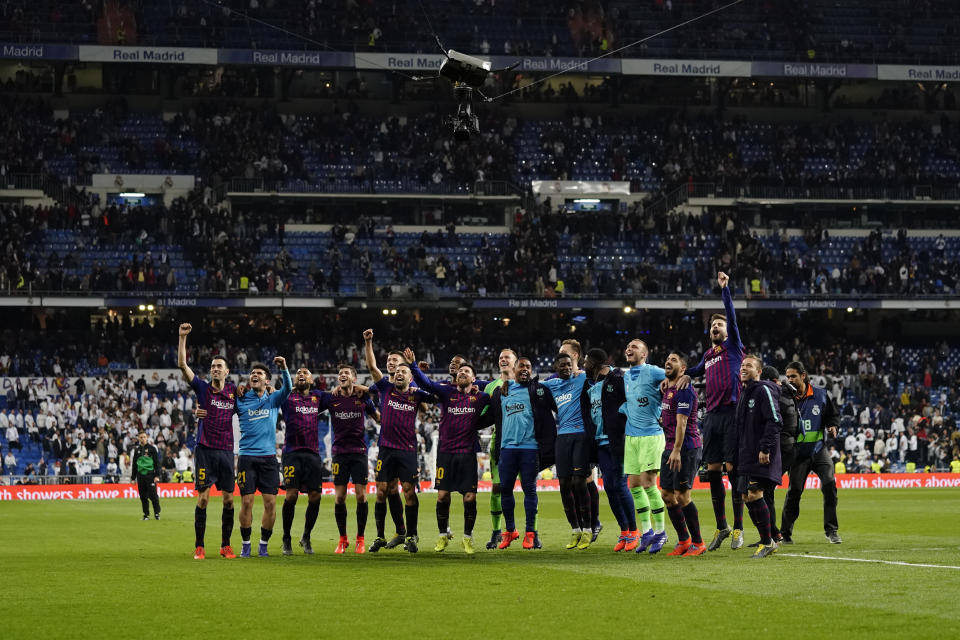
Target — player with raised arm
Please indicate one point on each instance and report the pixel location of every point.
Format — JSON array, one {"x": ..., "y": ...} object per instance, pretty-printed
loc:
[
  {"x": 643, "y": 444},
  {"x": 257, "y": 467},
  {"x": 460, "y": 410},
  {"x": 213, "y": 455},
  {"x": 393, "y": 500},
  {"x": 347, "y": 416},
  {"x": 572, "y": 348},
  {"x": 507, "y": 363},
  {"x": 302, "y": 465},
  {"x": 573, "y": 451},
  {"x": 720, "y": 367},
  {"x": 681, "y": 459},
  {"x": 397, "y": 456}
]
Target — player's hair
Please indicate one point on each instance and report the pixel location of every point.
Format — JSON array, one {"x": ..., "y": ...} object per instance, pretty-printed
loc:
[
  {"x": 220, "y": 358},
  {"x": 802, "y": 370},
  {"x": 519, "y": 358},
  {"x": 755, "y": 358},
  {"x": 457, "y": 355},
  {"x": 468, "y": 365},
  {"x": 348, "y": 366},
  {"x": 717, "y": 316},
  {"x": 681, "y": 357},
  {"x": 645, "y": 345},
  {"x": 395, "y": 353},
  {"x": 597, "y": 355},
  {"x": 261, "y": 366},
  {"x": 405, "y": 364},
  {"x": 561, "y": 356},
  {"x": 575, "y": 344}
]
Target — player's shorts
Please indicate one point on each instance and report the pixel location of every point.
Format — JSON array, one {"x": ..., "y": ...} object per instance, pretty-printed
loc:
[
  {"x": 680, "y": 480},
  {"x": 302, "y": 470},
  {"x": 397, "y": 463},
  {"x": 573, "y": 455},
  {"x": 258, "y": 473},
  {"x": 212, "y": 467},
  {"x": 719, "y": 431},
  {"x": 457, "y": 472},
  {"x": 350, "y": 467},
  {"x": 641, "y": 454},
  {"x": 746, "y": 484}
]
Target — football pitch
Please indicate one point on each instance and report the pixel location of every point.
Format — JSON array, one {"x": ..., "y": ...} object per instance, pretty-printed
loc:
[{"x": 93, "y": 569}]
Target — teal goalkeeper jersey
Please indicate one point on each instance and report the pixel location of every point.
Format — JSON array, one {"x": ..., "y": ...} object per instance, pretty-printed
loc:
[
  {"x": 642, "y": 407},
  {"x": 258, "y": 419},
  {"x": 566, "y": 393}
]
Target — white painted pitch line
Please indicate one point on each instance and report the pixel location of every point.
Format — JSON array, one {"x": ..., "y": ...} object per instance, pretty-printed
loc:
[{"x": 895, "y": 562}]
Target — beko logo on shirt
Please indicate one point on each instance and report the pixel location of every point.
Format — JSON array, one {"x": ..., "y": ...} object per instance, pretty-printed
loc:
[
  {"x": 564, "y": 398},
  {"x": 596, "y": 404},
  {"x": 258, "y": 412},
  {"x": 310, "y": 410},
  {"x": 393, "y": 404},
  {"x": 347, "y": 415},
  {"x": 220, "y": 404},
  {"x": 515, "y": 407},
  {"x": 459, "y": 411}
]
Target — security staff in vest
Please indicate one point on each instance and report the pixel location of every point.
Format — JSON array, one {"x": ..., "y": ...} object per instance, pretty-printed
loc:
[
  {"x": 788, "y": 438},
  {"x": 146, "y": 471},
  {"x": 818, "y": 415}
]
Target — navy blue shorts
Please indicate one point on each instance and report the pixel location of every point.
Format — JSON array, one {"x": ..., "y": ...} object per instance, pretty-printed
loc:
[
  {"x": 302, "y": 470},
  {"x": 719, "y": 431},
  {"x": 457, "y": 472},
  {"x": 397, "y": 463},
  {"x": 573, "y": 455},
  {"x": 350, "y": 467},
  {"x": 680, "y": 480},
  {"x": 258, "y": 473},
  {"x": 212, "y": 467}
]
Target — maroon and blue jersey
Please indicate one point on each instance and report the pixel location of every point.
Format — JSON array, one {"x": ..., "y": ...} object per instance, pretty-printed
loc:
[
  {"x": 301, "y": 413},
  {"x": 347, "y": 418},
  {"x": 680, "y": 402},
  {"x": 216, "y": 430},
  {"x": 459, "y": 414},
  {"x": 720, "y": 364},
  {"x": 398, "y": 415}
]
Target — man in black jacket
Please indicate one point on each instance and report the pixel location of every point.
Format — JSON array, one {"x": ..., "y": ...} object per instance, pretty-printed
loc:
[
  {"x": 788, "y": 437},
  {"x": 758, "y": 447},
  {"x": 145, "y": 469},
  {"x": 525, "y": 442}
]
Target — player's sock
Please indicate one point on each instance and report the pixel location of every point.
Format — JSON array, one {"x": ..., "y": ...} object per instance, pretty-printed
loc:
[
  {"x": 642, "y": 503},
  {"x": 761, "y": 519},
  {"x": 656, "y": 508},
  {"x": 718, "y": 494},
  {"x": 226, "y": 526},
  {"x": 310, "y": 518},
  {"x": 536, "y": 521},
  {"x": 569, "y": 504},
  {"x": 582, "y": 500},
  {"x": 340, "y": 514},
  {"x": 265, "y": 535},
  {"x": 679, "y": 522},
  {"x": 286, "y": 514},
  {"x": 629, "y": 509},
  {"x": 692, "y": 518},
  {"x": 245, "y": 533},
  {"x": 594, "y": 494},
  {"x": 737, "y": 499},
  {"x": 412, "y": 511},
  {"x": 396, "y": 512},
  {"x": 199, "y": 524},
  {"x": 772, "y": 508},
  {"x": 362, "y": 510},
  {"x": 380, "y": 517},
  {"x": 496, "y": 511},
  {"x": 469, "y": 517},
  {"x": 443, "y": 516}
]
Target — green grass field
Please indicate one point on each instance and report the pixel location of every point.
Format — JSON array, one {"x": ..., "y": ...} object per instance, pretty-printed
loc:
[{"x": 94, "y": 569}]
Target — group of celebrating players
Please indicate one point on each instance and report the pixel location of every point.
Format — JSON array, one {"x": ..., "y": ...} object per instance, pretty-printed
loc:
[{"x": 634, "y": 425}]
